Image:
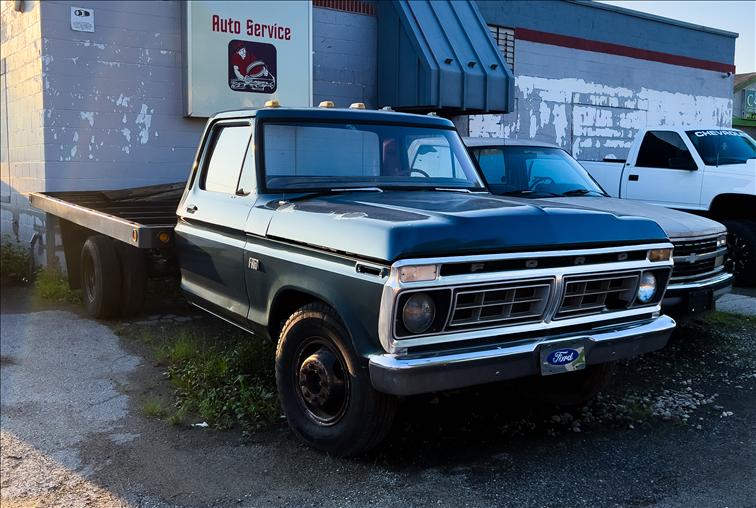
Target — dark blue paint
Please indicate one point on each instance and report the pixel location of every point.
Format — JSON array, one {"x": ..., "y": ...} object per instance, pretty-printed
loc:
[{"x": 562, "y": 357}]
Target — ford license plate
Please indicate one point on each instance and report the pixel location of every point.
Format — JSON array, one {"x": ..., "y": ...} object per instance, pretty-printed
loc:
[{"x": 561, "y": 357}]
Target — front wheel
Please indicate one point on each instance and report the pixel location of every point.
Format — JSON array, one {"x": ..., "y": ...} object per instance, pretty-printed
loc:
[
  {"x": 326, "y": 395},
  {"x": 741, "y": 245}
]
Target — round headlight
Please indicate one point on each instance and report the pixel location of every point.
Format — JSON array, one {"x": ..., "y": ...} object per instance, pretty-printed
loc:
[
  {"x": 419, "y": 313},
  {"x": 647, "y": 288}
]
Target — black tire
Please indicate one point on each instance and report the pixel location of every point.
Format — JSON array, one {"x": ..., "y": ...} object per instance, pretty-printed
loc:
[
  {"x": 133, "y": 278},
  {"x": 100, "y": 277},
  {"x": 569, "y": 388},
  {"x": 741, "y": 244},
  {"x": 325, "y": 393}
]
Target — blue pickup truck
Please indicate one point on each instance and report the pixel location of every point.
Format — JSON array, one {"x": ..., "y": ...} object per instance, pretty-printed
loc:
[{"x": 366, "y": 245}]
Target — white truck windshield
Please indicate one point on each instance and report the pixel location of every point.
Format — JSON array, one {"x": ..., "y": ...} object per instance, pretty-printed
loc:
[{"x": 722, "y": 146}]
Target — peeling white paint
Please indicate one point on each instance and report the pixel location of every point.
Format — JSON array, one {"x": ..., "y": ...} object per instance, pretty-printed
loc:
[
  {"x": 76, "y": 137},
  {"x": 127, "y": 133},
  {"x": 73, "y": 59},
  {"x": 89, "y": 115},
  {"x": 47, "y": 59},
  {"x": 125, "y": 149},
  {"x": 124, "y": 118},
  {"x": 73, "y": 151},
  {"x": 146, "y": 120},
  {"x": 92, "y": 141},
  {"x": 123, "y": 101}
]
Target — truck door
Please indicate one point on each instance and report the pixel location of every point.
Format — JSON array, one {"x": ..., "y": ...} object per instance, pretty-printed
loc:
[
  {"x": 210, "y": 234},
  {"x": 665, "y": 172}
]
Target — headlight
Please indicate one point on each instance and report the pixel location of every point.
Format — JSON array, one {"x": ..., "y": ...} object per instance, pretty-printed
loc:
[
  {"x": 722, "y": 241},
  {"x": 647, "y": 288},
  {"x": 419, "y": 313}
]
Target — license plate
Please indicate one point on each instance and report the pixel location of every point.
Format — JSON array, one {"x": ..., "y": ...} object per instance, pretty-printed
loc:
[
  {"x": 566, "y": 356},
  {"x": 700, "y": 301}
]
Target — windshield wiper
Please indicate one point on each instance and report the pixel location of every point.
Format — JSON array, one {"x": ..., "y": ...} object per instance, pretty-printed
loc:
[
  {"x": 583, "y": 192},
  {"x": 330, "y": 192},
  {"x": 529, "y": 193}
]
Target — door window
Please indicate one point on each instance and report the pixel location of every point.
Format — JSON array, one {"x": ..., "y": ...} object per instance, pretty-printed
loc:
[
  {"x": 223, "y": 170},
  {"x": 664, "y": 149}
]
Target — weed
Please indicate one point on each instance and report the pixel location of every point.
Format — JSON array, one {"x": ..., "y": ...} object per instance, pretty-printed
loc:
[
  {"x": 228, "y": 382},
  {"x": 730, "y": 322},
  {"x": 14, "y": 260},
  {"x": 178, "y": 417},
  {"x": 638, "y": 411},
  {"x": 52, "y": 285},
  {"x": 165, "y": 288},
  {"x": 152, "y": 407}
]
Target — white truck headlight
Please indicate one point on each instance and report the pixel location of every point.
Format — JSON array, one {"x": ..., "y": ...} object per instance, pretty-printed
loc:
[
  {"x": 721, "y": 241},
  {"x": 419, "y": 313},
  {"x": 647, "y": 287}
]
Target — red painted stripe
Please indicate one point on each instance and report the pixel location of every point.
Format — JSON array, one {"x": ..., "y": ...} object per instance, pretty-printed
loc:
[{"x": 566, "y": 41}]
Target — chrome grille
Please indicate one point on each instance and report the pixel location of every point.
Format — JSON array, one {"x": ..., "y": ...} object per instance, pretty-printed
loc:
[
  {"x": 684, "y": 270},
  {"x": 591, "y": 294},
  {"x": 517, "y": 303}
]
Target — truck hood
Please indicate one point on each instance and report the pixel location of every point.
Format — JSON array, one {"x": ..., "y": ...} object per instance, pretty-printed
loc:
[
  {"x": 675, "y": 223},
  {"x": 395, "y": 225}
]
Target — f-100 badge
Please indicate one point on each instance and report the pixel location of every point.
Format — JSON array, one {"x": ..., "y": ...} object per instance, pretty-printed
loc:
[{"x": 252, "y": 67}]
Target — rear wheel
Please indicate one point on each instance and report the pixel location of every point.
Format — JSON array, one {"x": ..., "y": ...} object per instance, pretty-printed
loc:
[
  {"x": 133, "y": 278},
  {"x": 741, "y": 244},
  {"x": 100, "y": 277},
  {"x": 326, "y": 395},
  {"x": 570, "y": 388}
]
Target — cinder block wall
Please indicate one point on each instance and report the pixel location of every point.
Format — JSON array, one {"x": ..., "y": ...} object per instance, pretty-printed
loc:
[
  {"x": 345, "y": 58},
  {"x": 22, "y": 122},
  {"x": 592, "y": 103}
]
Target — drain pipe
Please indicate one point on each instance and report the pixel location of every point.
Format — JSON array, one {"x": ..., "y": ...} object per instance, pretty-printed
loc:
[{"x": 33, "y": 241}]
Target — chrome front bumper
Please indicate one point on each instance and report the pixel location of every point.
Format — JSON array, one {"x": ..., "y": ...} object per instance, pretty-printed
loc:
[
  {"x": 676, "y": 300},
  {"x": 430, "y": 372}
]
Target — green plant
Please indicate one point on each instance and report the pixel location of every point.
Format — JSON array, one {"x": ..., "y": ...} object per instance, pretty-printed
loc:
[
  {"x": 178, "y": 417},
  {"x": 728, "y": 321},
  {"x": 52, "y": 285},
  {"x": 152, "y": 407},
  {"x": 229, "y": 382},
  {"x": 14, "y": 260}
]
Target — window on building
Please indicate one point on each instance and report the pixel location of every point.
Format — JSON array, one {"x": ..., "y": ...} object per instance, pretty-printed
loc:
[{"x": 504, "y": 38}]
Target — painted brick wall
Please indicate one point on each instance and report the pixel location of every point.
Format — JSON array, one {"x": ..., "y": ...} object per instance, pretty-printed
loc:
[
  {"x": 345, "y": 57},
  {"x": 592, "y": 103},
  {"x": 22, "y": 98},
  {"x": 113, "y": 98},
  {"x": 611, "y": 24}
]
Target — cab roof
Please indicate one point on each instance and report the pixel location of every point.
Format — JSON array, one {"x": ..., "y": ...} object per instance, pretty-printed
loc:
[{"x": 331, "y": 114}]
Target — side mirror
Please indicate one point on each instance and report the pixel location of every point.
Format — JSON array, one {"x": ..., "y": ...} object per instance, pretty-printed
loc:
[{"x": 682, "y": 163}]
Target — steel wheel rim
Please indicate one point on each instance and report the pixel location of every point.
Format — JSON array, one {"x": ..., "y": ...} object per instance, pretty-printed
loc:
[{"x": 325, "y": 405}]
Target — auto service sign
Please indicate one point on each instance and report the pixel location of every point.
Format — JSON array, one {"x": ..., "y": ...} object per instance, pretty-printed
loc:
[{"x": 242, "y": 54}]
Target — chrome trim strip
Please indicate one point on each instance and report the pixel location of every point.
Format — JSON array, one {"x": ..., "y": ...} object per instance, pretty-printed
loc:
[{"x": 699, "y": 284}]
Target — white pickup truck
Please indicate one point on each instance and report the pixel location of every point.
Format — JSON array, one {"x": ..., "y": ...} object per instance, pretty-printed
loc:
[{"x": 709, "y": 171}]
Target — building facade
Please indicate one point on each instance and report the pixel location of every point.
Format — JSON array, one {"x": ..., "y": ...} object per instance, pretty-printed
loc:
[{"x": 103, "y": 109}]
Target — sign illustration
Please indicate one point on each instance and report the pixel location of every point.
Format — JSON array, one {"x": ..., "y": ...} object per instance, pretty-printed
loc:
[{"x": 252, "y": 67}]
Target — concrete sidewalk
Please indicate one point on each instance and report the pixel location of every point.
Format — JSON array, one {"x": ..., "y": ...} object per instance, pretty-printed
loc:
[{"x": 739, "y": 304}]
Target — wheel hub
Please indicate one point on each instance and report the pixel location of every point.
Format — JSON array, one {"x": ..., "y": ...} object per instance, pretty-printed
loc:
[{"x": 320, "y": 379}]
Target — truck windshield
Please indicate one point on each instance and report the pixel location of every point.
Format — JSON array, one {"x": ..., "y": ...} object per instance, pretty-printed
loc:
[
  {"x": 719, "y": 147},
  {"x": 534, "y": 171},
  {"x": 312, "y": 156}
]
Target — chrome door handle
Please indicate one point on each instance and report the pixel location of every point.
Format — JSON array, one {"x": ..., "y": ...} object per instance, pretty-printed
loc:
[{"x": 191, "y": 208}]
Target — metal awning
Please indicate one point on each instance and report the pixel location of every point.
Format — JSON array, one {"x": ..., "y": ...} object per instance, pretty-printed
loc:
[{"x": 440, "y": 56}]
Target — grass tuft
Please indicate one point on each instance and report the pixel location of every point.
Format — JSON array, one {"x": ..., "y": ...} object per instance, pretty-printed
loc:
[
  {"x": 52, "y": 285},
  {"x": 153, "y": 407},
  {"x": 728, "y": 321}
]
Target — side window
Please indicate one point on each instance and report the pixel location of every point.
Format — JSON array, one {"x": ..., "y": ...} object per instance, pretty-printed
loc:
[
  {"x": 223, "y": 169},
  {"x": 663, "y": 149},
  {"x": 248, "y": 180}
]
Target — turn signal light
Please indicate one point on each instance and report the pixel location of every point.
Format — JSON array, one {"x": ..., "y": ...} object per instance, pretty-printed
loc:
[
  {"x": 659, "y": 254},
  {"x": 418, "y": 273},
  {"x": 164, "y": 237}
]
